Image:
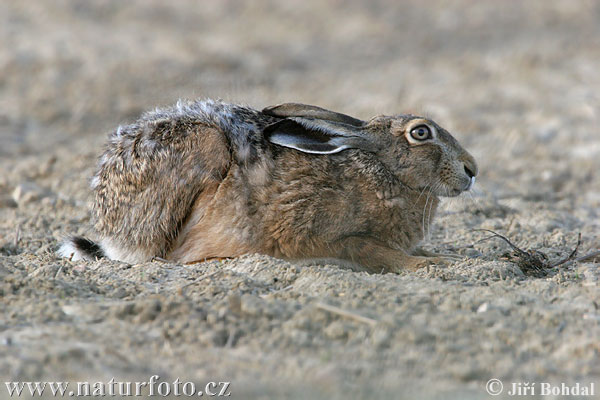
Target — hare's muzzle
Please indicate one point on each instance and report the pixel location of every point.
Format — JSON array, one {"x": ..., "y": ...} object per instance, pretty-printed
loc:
[
  {"x": 470, "y": 167},
  {"x": 470, "y": 184}
]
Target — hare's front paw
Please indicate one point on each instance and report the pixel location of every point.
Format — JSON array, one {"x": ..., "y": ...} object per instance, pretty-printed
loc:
[
  {"x": 419, "y": 251},
  {"x": 414, "y": 263}
]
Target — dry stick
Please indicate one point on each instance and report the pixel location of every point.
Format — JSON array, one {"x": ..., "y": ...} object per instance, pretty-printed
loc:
[
  {"x": 588, "y": 256},
  {"x": 582, "y": 258},
  {"x": 494, "y": 234},
  {"x": 571, "y": 256},
  {"x": 347, "y": 314},
  {"x": 567, "y": 261}
]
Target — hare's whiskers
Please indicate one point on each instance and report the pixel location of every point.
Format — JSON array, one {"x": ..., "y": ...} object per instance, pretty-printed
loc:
[
  {"x": 423, "y": 216},
  {"x": 474, "y": 201},
  {"x": 426, "y": 222},
  {"x": 422, "y": 191},
  {"x": 433, "y": 190}
]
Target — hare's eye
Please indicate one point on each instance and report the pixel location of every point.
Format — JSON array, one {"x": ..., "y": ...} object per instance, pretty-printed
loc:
[{"x": 421, "y": 132}]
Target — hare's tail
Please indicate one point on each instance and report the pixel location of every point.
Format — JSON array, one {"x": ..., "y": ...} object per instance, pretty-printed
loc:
[{"x": 80, "y": 248}]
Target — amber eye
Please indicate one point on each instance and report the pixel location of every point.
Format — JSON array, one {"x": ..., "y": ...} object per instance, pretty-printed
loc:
[{"x": 421, "y": 132}]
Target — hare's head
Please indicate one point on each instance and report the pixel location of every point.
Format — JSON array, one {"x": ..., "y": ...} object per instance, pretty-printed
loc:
[{"x": 421, "y": 154}]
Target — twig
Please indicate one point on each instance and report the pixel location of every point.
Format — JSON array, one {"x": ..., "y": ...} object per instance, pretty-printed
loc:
[
  {"x": 571, "y": 256},
  {"x": 494, "y": 234},
  {"x": 347, "y": 314},
  {"x": 582, "y": 258},
  {"x": 533, "y": 262},
  {"x": 588, "y": 256}
]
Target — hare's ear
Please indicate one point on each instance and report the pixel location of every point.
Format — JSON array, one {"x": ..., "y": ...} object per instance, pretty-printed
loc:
[
  {"x": 287, "y": 110},
  {"x": 318, "y": 136}
]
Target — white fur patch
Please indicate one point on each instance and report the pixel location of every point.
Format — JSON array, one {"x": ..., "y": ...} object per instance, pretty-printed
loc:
[
  {"x": 471, "y": 183},
  {"x": 119, "y": 253},
  {"x": 110, "y": 250},
  {"x": 288, "y": 141},
  {"x": 95, "y": 182},
  {"x": 104, "y": 159},
  {"x": 68, "y": 250}
]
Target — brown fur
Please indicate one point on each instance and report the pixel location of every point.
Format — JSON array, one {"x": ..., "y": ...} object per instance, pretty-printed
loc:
[
  {"x": 153, "y": 190},
  {"x": 203, "y": 181},
  {"x": 292, "y": 220}
]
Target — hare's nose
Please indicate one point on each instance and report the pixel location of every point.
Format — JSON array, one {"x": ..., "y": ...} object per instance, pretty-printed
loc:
[
  {"x": 468, "y": 171},
  {"x": 470, "y": 166}
]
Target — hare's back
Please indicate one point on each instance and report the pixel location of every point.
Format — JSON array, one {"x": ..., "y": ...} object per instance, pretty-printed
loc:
[{"x": 150, "y": 175}]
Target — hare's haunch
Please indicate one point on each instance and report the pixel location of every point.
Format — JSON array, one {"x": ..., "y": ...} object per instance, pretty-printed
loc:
[{"x": 206, "y": 179}]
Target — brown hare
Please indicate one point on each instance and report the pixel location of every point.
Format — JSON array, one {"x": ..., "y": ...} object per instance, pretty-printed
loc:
[{"x": 206, "y": 179}]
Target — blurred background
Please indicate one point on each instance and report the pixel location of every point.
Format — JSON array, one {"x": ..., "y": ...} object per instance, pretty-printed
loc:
[{"x": 512, "y": 77}]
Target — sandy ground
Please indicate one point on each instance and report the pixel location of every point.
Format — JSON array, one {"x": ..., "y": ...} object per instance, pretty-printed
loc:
[{"x": 516, "y": 82}]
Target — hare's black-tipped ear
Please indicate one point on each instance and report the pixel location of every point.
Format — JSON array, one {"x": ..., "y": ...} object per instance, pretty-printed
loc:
[
  {"x": 317, "y": 136},
  {"x": 287, "y": 110}
]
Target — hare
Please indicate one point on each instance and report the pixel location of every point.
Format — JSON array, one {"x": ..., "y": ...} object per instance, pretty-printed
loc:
[{"x": 206, "y": 179}]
